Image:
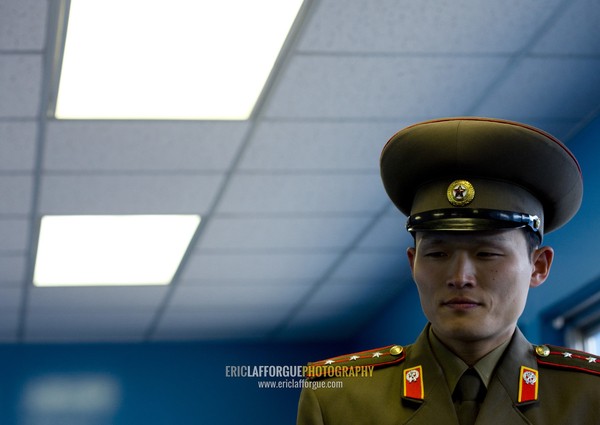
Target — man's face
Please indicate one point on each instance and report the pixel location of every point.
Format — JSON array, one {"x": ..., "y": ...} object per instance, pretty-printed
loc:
[{"x": 473, "y": 285}]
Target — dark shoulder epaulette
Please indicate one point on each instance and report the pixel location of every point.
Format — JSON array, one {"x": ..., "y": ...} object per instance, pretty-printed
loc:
[
  {"x": 566, "y": 358},
  {"x": 355, "y": 364}
]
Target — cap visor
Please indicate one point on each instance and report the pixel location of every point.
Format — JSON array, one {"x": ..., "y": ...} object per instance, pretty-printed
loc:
[{"x": 462, "y": 224}]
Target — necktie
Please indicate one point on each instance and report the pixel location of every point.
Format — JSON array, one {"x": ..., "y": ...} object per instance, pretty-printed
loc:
[{"x": 469, "y": 393}]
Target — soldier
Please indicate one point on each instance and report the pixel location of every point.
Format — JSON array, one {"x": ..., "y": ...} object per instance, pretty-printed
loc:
[{"x": 479, "y": 194}]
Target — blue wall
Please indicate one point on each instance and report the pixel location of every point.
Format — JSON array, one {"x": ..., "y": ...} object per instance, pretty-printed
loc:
[
  {"x": 400, "y": 322},
  {"x": 148, "y": 384},
  {"x": 576, "y": 267}
]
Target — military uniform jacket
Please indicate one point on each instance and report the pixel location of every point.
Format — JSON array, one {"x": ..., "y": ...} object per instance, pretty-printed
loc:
[{"x": 562, "y": 387}]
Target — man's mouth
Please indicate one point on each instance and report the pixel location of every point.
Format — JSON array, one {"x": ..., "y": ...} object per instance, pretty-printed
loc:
[{"x": 461, "y": 303}]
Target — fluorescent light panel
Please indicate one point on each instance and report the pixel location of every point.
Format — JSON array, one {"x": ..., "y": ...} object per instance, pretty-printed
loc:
[
  {"x": 175, "y": 59},
  {"x": 112, "y": 250}
]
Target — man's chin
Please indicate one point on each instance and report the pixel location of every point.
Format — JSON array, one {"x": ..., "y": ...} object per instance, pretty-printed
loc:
[{"x": 459, "y": 331}]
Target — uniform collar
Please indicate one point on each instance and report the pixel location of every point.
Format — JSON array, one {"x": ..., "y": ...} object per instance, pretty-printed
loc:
[{"x": 453, "y": 367}]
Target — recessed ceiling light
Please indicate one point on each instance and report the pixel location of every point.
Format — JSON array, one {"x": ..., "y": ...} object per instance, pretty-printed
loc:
[
  {"x": 112, "y": 250},
  {"x": 176, "y": 59}
]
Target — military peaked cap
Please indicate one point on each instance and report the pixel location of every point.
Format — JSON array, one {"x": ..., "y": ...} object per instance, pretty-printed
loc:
[{"x": 472, "y": 173}]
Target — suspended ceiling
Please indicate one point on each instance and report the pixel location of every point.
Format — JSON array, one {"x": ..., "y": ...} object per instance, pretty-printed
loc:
[{"x": 298, "y": 240}]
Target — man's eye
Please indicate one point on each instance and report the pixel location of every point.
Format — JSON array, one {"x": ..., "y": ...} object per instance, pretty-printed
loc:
[
  {"x": 435, "y": 254},
  {"x": 487, "y": 254}
]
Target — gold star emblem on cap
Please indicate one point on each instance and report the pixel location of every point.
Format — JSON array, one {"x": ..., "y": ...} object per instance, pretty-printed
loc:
[{"x": 460, "y": 193}]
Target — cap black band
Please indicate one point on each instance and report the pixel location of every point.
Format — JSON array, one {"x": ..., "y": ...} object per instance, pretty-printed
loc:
[{"x": 465, "y": 216}]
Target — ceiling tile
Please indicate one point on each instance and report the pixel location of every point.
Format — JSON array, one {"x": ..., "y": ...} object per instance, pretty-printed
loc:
[
  {"x": 330, "y": 324},
  {"x": 389, "y": 233},
  {"x": 87, "y": 327},
  {"x": 280, "y": 233},
  {"x": 381, "y": 87},
  {"x": 16, "y": 193},
  {"x": 17, "y": 146},
  {"x": 142, "y": 146},
  {"x": 350, "y": 294},
  {"x": 317, "y": 145},
  {"x": 546, "y": 87},
  {"x": 9, "y": 324},
  {"x": 128, "y": 194},
  {"x": 564, "y": 130},
  {"x": 249, "y": 266},
  {"x": 10, "y": 300},
  {"x": 20, "y": 79},
  {"x": 372, "y": 266},
  {"x": 238, "y": 296},
  {"x": 14, "y": 235},
  {"x": 12, "y": 269},
  {"x": 338, "y": 309},
  {"x": 218, "y": 324},
  {"x": 91, "y": 320},
  {"x": 576, "y": 32},
  {"x": 87, "y": 299},
  {"x": 303, "y": 193},
  {"x": 441, "y": 26},
  {"x": 22, "y": 24}
]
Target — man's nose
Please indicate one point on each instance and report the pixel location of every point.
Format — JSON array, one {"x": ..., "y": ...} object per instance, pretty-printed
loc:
[{"x": 461, "y": 271}]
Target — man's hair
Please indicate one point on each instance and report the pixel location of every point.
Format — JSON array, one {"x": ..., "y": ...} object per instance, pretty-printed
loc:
[{"x": 532, "y": 240}]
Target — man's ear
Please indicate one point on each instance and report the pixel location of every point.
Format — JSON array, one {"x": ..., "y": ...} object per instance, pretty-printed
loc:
[
  {"x": 541, "y": 261},
  {"x": 411, "y": 253}
]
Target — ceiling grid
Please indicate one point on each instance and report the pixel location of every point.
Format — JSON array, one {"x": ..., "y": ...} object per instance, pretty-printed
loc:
[{"x": 298, "y": 240}]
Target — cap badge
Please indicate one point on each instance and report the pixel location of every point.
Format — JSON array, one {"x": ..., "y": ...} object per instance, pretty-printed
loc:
[{"x": 460, "y": 193}]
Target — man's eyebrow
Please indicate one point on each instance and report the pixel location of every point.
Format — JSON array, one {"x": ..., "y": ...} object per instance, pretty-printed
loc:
[{"x": 427, "y": 242}]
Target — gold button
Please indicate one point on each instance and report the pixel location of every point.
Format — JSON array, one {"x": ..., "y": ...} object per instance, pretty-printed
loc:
[
  {"x": 542, "y": 351},
  {"x": 396, "y": 350}
]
